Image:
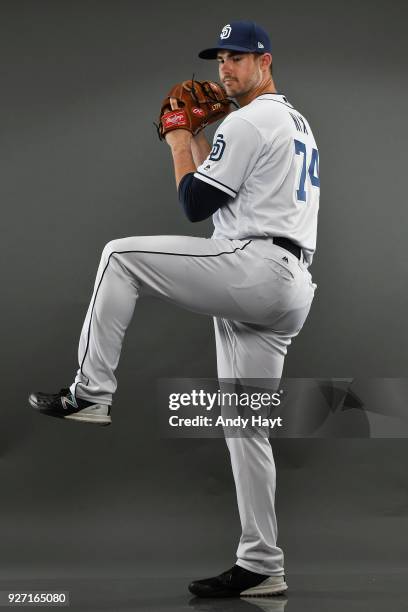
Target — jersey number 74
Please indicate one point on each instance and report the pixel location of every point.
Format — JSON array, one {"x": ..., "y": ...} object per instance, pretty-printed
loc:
[{"x": 313, "y": 170}]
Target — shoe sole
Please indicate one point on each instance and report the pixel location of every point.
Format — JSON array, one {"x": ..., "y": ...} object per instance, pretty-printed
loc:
[
  {"x": 267, "y": 588},
  {"x": 81, "y": 416},
  {"x": 91, "y": 418}
]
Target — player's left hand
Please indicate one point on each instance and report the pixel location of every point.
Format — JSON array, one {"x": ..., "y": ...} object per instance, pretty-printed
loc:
[{"x": 190, "y": 106}]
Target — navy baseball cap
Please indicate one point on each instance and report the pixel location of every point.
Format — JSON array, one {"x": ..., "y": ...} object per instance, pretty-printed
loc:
[{"x": 244, "y": 36}]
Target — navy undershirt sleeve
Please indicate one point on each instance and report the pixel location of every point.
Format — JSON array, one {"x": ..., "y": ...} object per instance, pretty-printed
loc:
[{"x": 200, "y": 200}]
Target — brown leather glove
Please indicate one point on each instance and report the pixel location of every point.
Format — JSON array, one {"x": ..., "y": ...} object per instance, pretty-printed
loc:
[{"x": 199, "y": 104}]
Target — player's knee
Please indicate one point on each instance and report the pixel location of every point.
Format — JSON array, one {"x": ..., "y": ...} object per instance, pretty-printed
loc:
[{"x": 113, "y": 246}]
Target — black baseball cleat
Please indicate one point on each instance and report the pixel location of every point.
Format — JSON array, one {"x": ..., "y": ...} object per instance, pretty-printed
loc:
[
  {"x": 65, "y": 406},
  {"x": 239, "y": 582}
]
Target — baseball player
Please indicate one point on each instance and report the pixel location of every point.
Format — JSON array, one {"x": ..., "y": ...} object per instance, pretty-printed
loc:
[{"x": 260, "y": 182}]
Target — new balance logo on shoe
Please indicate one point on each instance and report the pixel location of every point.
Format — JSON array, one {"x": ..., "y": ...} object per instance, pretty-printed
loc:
[{"x": 69, "y": 399}]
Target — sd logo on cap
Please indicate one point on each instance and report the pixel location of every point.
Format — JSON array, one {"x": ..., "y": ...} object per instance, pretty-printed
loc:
[{"x": 244, "y": 36}]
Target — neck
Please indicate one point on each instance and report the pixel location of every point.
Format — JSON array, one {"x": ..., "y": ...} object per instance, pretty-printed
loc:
[{"x": 265, "y": 86}]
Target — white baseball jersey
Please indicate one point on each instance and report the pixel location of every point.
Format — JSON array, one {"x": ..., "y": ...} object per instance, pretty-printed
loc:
[{"x": 264, "y": 156}]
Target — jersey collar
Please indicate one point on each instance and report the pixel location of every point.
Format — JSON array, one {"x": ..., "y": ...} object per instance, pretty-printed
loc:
[{"x": 278, "y": 97}]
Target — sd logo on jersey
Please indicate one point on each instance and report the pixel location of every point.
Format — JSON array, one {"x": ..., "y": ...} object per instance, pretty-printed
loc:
[{"x": 218, "y": 148}]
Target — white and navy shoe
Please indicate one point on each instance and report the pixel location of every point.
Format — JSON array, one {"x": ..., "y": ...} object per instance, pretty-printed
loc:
[
  {"x": 239, "y": 582},
  {"x": 65, "y": 406}
]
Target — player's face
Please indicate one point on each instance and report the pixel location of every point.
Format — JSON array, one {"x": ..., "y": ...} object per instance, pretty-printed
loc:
[{"x": 239, "y": 72}]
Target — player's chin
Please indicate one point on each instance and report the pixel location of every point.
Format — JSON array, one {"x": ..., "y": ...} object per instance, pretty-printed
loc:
[{"x": 232, "y": 89}]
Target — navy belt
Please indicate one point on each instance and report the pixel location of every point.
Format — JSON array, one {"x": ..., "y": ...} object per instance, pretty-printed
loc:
[{"x": 287, "y": 244}]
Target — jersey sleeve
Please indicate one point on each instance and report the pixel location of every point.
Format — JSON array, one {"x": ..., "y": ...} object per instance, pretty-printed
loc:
[{"x": 236, "y": 147}]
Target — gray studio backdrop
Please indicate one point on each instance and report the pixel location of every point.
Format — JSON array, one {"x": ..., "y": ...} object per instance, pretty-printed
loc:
[{"x": 80, "y": 165}]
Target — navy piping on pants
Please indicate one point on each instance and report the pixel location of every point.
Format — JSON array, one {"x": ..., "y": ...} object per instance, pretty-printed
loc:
[{"x": 150, "y": 253}]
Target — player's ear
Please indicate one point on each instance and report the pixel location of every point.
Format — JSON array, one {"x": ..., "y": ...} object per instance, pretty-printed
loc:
[{"x": 266, "y": 61}]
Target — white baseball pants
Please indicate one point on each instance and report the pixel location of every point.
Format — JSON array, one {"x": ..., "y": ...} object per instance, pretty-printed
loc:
[{"x": 259, "y": 295}]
